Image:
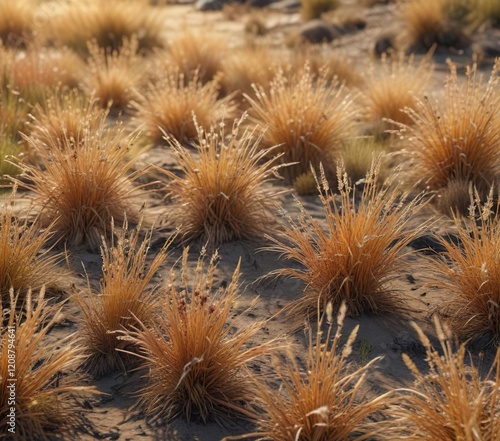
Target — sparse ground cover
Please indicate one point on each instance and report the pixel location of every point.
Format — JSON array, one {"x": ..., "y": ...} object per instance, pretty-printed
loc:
[{"x": 211, "y": 228}]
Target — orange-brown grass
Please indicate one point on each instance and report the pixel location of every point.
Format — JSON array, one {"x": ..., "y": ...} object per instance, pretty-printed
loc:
[
  {"x": 307, "y": 118},
  {"x": 354, "y": 258},
  {"x": 112, "y": 76},
  {"x": 24, "y": 261},
  {"x": 320, "y": 400},
  {"x": 430, "y": 22},
  {"x": 167, "y": 107},
  {"x": 198, "y": 54},
  {"x": 16, "y": 22},
  {"x": 463, "y": 141},
  {"x": 108, "y": 22},
  {"x": 222, "y": 194},
  {"x": 124, "y": 300},
  {"x": 397, "y": 85},
  {"x": 449, "y": 401},
  {"x": 248, "y": 65},
  {"x": 337, "y": 64},
  {"x": 39, "y": 70},
  {"x": 82, "y": 189},
  {"x": 195, "y": 352},
  {"x": 311, "y": 9},
  {"x": 65, "y": 116},
  {"x": 48, "y": 391},
  {"x": 474, "y": 274}
]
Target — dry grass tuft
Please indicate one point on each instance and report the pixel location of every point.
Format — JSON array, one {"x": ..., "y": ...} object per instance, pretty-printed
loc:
[
  {"x": 358, "y": 254},
  {"x": 113, "y": 76},
  {"x": 195, "y": 353},
  {"x": 311, "y": 9},
  {"x": 357, "y": 156},
  {"x": 24, "y": 262},
  {"x": 63, "y": 119},
  {"x": 397, "y": 86},
  {"x": 81, "y": 188},
  {"x": 17, "y": 22},
  {"x": 320, "y": 400},
  {"x": 305, "y": 184},
  {"x": 474, "y": 275},
  {"x": 198, "y": 55},
  {"x": 48, "y": 391},
  {"x": 167, "y": 106},
  {"x": 448, "y": 402},
  {"x": 109, "y": 22},
  {"x": 222, "y": 195},
  {"x": 125, "y": 299},
  {"x": 461, "y": 143},
  {"x": 307, "y": 117}
]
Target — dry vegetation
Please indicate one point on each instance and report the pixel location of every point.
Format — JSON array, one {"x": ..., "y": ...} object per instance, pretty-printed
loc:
[{"x": 268, "y": 153}]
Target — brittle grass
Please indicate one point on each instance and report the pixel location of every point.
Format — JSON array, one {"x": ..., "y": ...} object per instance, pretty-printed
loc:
[
  {"x": 195, "y": 353},
  {"x": 124, "y": 300},
  {"x": 81, "y": 189},
  {"x": 25, "y": 262},
  {"x": 471, "y": 271},
  {"x": 48, "y": 390},
  {"x": 167, "y": 106},
  {"x": 356, "y": 255},
  {"x": 448, "y": 402},
  {"x": 222, "y": 195},
  {"x": 17, "y": 22},
  {"x": 320, "y": 400},
  {"x": 463, "y": 141},
  {"x": 307, "y": 119}
]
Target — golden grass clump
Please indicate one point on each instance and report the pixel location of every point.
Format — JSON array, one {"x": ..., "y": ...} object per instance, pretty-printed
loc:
[
  {"x": 430, "y": 22},
  {"x": 195, "y": 353},
  {"x": 397, "y": 85},
  {"x": 307, "y": 118},
  {"x": 474, "y": 274},
  {"x": 198, "y": 55},
  {"x": 24, "y": 261},
  {"x": 222, "y": 194},
  {"x": 124, "y": 300},
  {"x": 109, "y": 22},
  {"x": 17, "y": 22},
  {"x": 112, "y": 76},
  {"x": 359, "y": 252},
  {"x": 449, "y": 401},
  {"x": 81, "y": 189},
  {"x": 311, "y": 9},
  {"x": 320, "y": 400},
  {"x": 357, "y": 156},
  {"x": 48, "y": 391},
  {"x": 167, "y": 107},
  {"x": 64, "y": 118},
  {"x": 461, "y": 142},
  {"x": 305, "y": 184}
]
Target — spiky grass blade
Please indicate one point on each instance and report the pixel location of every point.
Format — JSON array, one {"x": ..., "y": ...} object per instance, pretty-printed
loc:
[
  {"x": 125, "y": 299},
  {"x": 356, "y": 255},
  {"x": 197, "y": 364},
  {"x": 474, "y": 274},
  {"x": 222, "y": 195},
  {"x": 47, "y": 387},
  {"x": 24, "y": 261},
  {"x": 320, "y": 400},
  {"x": 308, "y": 118},
  {"x": 448, "y": 402}
]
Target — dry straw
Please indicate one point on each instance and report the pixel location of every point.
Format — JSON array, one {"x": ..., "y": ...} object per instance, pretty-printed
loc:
[
  {"x": 307, "y": 117},
  {"x": 223, "y": 193},
  {"x": 450, "y": 401},
  {"x": 195, "y": 353},
  {"x": 125, "y": 298},
  {"x": 355, "y": 255},
  {"x": 48, "y": 390}
]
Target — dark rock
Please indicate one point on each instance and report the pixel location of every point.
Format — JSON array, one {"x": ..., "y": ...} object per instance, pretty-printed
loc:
[
  {"x": 384, "y": 43},
  {"x": 209, "y": 5},
  {"x": 318, "y": 31}
]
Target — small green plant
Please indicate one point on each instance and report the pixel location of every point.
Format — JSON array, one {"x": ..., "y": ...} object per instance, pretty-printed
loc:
[{"x": 365, "y": 349}]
